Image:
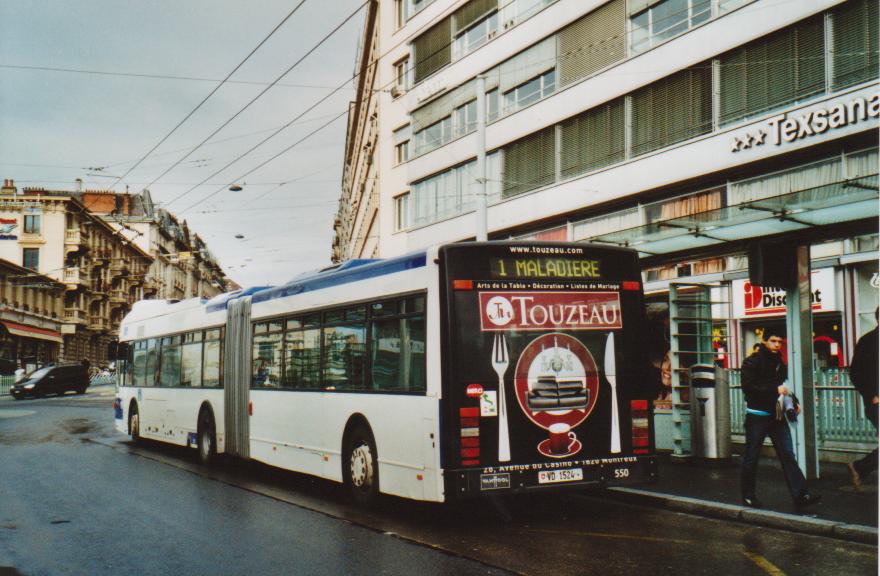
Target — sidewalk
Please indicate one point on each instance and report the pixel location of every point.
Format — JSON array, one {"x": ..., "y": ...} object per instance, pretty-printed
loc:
[{"x": 713, "y": 490}]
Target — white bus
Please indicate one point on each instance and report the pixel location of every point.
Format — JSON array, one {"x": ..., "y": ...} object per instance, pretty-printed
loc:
[{"x": 461, "y": 370}]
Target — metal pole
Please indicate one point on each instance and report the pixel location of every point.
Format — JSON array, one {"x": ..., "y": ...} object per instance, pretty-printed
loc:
[
  {"x": 481, "y": 215},
  {"x": 799, "y": 325}
]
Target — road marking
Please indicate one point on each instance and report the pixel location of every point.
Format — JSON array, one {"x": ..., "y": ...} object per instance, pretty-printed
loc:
[
  {"x": 764, "y": 564},
  {"x": 606, "y": 535},
  {"x": 15, "y": 413}
]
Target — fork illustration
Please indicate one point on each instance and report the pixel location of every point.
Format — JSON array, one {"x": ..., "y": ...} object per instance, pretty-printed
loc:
[{"x": 500, "y": 362}]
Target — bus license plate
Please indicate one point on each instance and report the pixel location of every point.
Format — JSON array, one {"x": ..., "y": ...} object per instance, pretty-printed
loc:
[{"x": 552, "y": 476}]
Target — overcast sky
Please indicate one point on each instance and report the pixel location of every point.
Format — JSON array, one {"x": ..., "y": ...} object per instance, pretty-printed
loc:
[{"x": 56, "y": 125}]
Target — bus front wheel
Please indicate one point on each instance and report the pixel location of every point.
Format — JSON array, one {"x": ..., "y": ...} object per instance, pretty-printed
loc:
[
  {"x": 207, "y": 439},
  {"x": 360, "y": 468}
]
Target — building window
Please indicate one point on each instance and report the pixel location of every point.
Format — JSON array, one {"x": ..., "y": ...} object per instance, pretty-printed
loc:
[
  {"x": 671, "y": 110},
  {"x": 665, "y": 20},
  {"x": 530, "y": 91},
  {"x": 401, "y": 77},
  {"x": 401, "y": 13},
  {"x": 401, "y": 212},
  {"x": 777, "y": 70},
  {"x": 492, "y": 105},
  {"x": 464, "y": 119},
  {"x": 855, "y": 43},
  {"x": 433, "y": 136},
  {"x": 529, "y": 163},
  {"x": 31, "y": 258},
  {"x": 475, "y": 24},
  {"x": 432, "y": 50},
  {"x": 401, "y": 152},
  {"x": 32, "y": 224}
]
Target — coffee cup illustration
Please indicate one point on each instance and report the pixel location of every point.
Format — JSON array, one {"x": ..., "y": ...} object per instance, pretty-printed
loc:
[{"x": 562, "y": 439}]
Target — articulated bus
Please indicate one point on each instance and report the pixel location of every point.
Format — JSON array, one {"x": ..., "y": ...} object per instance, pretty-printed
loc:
[{"x": 465, "y": 369}]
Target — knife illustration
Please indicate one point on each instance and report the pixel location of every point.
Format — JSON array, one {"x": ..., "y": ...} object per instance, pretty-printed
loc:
[{"x": 611, "y": 376}]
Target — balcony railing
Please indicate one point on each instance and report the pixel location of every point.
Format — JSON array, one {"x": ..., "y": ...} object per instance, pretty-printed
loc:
[
  {"x": 74, "y": 316},
  {"x": 75, "y": 275},
  {"x": 98, "y": 323}
]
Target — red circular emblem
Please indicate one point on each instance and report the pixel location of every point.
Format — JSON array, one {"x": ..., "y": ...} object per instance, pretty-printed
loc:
[
  {"x": 556, "y": 380},
  {"x": 474, "y": 390}
]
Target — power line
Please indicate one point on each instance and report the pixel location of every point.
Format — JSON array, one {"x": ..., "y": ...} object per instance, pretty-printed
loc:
[
  {"x": 153, "y": 76},
  {"x": 193, "y": 111},
  {"x": 260, "y": 95}
]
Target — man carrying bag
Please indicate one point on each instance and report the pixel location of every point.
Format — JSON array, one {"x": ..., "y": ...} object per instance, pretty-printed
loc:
[{"x": 763, "y": 382}]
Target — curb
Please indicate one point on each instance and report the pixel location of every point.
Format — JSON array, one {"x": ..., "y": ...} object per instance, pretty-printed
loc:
[{"x": 779, "y": 520}]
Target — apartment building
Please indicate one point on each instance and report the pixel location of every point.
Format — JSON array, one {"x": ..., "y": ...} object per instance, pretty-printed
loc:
[
  {"x": 683, "y": 128},
  {"x": 31, "y": 312},
  {"x": 182, "y": 265},
  {"x": 53, "y": 234}
]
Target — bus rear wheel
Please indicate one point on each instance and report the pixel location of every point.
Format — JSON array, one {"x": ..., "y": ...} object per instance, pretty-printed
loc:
[
  {"x": 360, "y": 467},
  {"x": 207, "y": 439}
]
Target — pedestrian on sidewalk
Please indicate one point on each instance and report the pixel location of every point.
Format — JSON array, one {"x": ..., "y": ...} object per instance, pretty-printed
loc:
[
  {"x": 763, "y": 381},
  {"x": 863, "y": 372}
]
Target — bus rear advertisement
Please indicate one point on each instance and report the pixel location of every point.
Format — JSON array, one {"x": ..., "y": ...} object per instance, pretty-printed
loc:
[{"x": 544, "y": 371}]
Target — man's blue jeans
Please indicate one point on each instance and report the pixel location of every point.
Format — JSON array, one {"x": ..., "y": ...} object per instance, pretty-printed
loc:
[{"x": 758, "y": 428}]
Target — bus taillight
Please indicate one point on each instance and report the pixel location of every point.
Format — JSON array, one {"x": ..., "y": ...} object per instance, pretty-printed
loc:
[
  {"x": 470, "y": 436},
  {"x": 640, "y": 431},
  {"x": 462, "y": 284}
]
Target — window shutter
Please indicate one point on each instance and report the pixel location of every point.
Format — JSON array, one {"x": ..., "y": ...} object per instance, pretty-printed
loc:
[
  {"x": 593, "y": 139},
  {"x": 433, "y": 50},
  {"x": 673, "y": 109},
  {"x": 528, "y": 64},
  {"x": 773, "y": 71},
  {"x": 855, "y": 43},
  {"x": 472, "y": 12},
  {"x": 592, "y": 43},
  {"x": 529, "y": 163},
  {"x": 432, "y": 112}
]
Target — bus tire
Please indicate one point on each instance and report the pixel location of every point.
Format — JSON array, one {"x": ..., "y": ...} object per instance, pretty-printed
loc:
[
  {"x": 360, "y": 467},
  {"x": 207, "y": 439},
  {"x": 134, "y": 424}
]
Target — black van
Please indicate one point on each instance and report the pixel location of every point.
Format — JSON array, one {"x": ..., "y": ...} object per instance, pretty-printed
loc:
[{"x": 56, "y": 379}]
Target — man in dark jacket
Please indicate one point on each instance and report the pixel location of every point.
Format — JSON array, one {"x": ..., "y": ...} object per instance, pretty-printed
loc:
[
  {"x": 863, "y": 372},
  {"x": 763, "y": 380}
]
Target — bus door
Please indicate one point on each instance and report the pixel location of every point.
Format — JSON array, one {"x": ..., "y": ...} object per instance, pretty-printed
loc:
[{"x": 543, "y": 372}]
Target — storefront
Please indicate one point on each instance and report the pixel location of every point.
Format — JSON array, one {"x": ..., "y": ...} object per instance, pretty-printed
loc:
[{"x": 25, "y": 346}]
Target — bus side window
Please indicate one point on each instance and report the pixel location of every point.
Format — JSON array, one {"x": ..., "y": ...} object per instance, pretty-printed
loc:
[
  {"x": 139, "y": 363},
  {"x": 344, "y": 349},
  {"x": 191, "y": 360},
  {"x": 151, "y": 374},
  {"x": 212, "y": 364},
  {"x": 398, "y": 346}
]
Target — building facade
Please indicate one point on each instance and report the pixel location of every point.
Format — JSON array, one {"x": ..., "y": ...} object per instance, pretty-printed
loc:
[
  {"x": 683, "y": 128},
  {"x": 355, "y": 227},
  {"x": 53, "y": 234},
  {"x": 31, "y": 313},
  {"x": 182, "y": 265}
]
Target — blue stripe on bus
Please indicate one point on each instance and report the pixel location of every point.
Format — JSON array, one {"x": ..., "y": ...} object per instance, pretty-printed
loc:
[{"x": 348, "y": 272}]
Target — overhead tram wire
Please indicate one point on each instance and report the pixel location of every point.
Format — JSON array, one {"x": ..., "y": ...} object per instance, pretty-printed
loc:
[
  {"x": 152, "y": 76},
  {"x": 205, "y": 99},
  {"x": 263, "y": 92},
  {"x": 254, "y": 169}
]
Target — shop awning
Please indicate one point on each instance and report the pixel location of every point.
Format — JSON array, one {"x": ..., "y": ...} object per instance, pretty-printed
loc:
[
  {"x": 837, "y": 203},
  {"x": 32, "y": 332}
]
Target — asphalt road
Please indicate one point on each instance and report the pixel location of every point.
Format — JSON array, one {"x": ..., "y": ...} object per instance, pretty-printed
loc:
[{"x": 78, "y": 498}]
